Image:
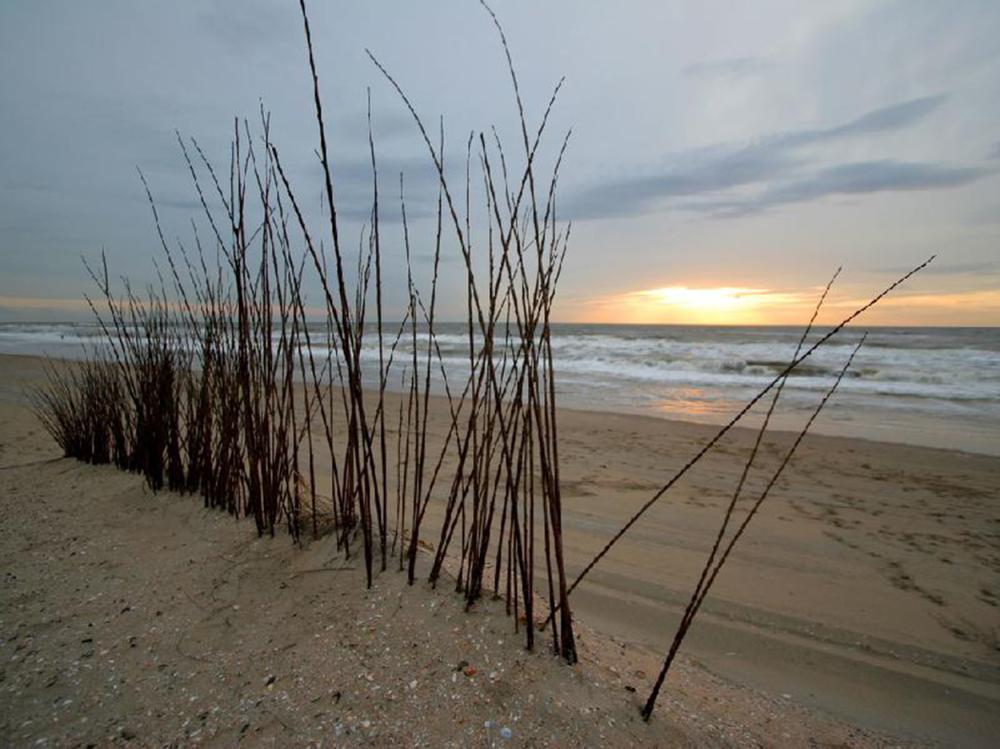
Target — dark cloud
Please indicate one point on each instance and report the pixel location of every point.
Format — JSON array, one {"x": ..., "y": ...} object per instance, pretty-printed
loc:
[
  {"x": 708, "y": 172},
  {"x": 884, "y": 119},
  {"x": 704, "y": 174},
  {"x": 995, "y": 151},
  {"x": 733, "y": 67},
  {"x": 859, "y": 178}
]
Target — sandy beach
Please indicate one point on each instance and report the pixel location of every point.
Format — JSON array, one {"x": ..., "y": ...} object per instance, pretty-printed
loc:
[
  {"x": 539, "y": 375},
  {"x": 861, "y": 609}
]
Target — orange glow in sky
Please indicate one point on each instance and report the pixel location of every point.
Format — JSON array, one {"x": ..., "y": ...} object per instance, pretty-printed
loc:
[
  {"x": 719, "y": 305},
  {"x": 729, "y": 305}
]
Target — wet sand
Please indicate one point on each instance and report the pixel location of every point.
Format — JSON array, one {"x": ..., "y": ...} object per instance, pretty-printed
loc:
[{"x": 863, "y": 600}]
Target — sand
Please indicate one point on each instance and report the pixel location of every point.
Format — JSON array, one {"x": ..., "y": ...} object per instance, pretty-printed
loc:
[{"x": 860, "y": 610}]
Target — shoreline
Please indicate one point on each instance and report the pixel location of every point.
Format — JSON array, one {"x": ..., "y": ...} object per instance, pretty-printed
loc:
[
  {"x": 870, "y": 524},
  {"x": 748, "y": 424},
  {"x": 711, "y": 427}
]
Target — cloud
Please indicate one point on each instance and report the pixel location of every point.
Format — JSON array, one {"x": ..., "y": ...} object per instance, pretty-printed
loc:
[
  {"x": 708, "y": 172},
  {"x": 883, "y": 119},
  {"x": 858, "y": 178},
  {"x": 733, "y": 67},
  {"x": 995, "y": 151},
  {"x": 704, "y": 174}
]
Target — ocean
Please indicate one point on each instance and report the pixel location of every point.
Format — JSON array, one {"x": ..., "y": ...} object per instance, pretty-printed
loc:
[{"x": 938, "y": 387}]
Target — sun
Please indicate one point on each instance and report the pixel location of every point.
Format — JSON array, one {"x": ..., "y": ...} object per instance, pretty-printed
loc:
[
  {"x": 712, "y": 305},
  {"x": 721, "y": 299}
]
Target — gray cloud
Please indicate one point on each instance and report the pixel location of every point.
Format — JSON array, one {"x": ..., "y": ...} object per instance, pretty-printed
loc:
[
  {"x": 877, "y": 176},
  {"x": 883, "y": 119},
  {"x": 858, "y": 178},
  {"x": 708, "y": 172},
  {"x": 704, "y": 173}
]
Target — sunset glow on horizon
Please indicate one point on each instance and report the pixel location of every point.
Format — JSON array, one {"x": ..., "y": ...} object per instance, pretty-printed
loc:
[
  {"x": 728, "y": 305},
  {"x": 713, "y": 305}
]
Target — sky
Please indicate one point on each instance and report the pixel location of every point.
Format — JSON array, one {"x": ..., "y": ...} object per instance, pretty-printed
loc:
[{"x": 725, "y": 158}]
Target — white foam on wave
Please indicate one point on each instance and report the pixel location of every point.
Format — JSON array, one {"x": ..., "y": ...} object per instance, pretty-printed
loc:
[{"x": 936, "y": 372}]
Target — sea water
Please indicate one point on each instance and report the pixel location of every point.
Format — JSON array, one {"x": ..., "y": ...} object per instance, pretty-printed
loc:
[{"x": 938, "y": 387}]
